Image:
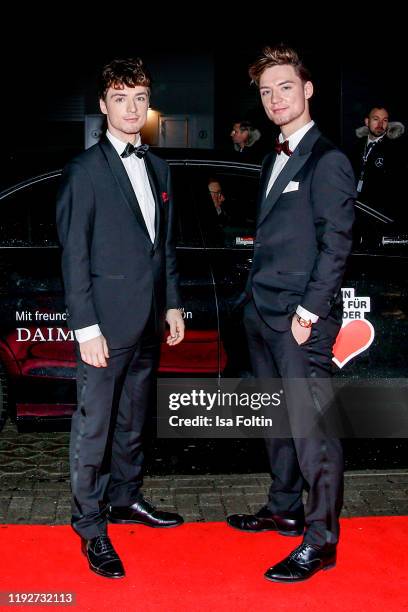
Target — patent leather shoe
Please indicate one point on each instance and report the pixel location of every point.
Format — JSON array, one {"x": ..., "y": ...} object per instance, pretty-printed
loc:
[
  {"x": 102, "y": 557},
  {"x": 143, "y": 513},
  {"x": 302, "y": 563},
  {"x": 288, "y": 524}
]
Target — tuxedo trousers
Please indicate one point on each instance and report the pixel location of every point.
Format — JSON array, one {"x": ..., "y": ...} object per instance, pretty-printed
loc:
[
  {"x": 106, "y": 455},
  {"x": 310, "y": 461}
]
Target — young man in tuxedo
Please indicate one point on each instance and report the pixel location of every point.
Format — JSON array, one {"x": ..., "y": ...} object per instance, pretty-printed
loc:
[
  {"x": 294, "y": 311},
  {"x": 114, "y": 218}
]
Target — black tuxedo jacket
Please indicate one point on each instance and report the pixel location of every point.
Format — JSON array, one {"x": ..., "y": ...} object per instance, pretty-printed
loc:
[
  {"x": 113, "y": 273},
  {"x": 303, "y": 235}
]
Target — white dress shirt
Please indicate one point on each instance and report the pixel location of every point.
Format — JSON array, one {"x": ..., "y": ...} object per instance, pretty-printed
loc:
[
  {"x": 282, "y": 158},
  {"x": 137, "y": 173},
  {"x": 278, "y": 166}
]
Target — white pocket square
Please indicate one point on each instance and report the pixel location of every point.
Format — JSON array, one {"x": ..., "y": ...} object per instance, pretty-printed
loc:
[{"x": 291, "y": 186}]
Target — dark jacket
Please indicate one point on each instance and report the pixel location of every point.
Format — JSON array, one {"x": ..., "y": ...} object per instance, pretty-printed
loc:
[
  {"x": 112, "y": 272},
  {"x": 303, "y": 236},
  {"x": 384, "y": 172}
]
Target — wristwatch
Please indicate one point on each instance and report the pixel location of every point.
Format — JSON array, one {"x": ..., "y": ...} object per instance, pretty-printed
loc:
[{"x": 303, "y": 322}]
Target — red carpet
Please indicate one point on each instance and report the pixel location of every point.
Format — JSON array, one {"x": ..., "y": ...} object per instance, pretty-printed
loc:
[{"x": 210, "y": 567}]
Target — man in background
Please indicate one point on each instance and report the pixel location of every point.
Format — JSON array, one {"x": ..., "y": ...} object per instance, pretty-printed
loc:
[
  {"x": 380, "y": 163},
  {"x": 245, "y": 139}
]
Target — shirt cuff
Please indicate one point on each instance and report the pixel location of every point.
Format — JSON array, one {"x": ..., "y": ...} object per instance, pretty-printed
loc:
[
  {"x": 87, "y": 333},
  {"x": 305, "y": 314}
]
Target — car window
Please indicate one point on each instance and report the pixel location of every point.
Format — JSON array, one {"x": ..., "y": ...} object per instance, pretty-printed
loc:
[
  {"x": 226, "y": 199},
  {"x": 186, "y": 220},
  {"x": 27, "y": 215},
  {"x": 371, "y": 228}
]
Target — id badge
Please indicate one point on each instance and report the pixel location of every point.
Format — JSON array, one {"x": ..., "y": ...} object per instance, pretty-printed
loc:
[{"x": 359, "y": 186}]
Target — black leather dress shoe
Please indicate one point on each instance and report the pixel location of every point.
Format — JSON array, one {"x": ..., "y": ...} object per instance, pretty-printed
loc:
[
  {"x": 144, "y": 513},
  {"x": 102, "y": 557},
  {"x": 302, "y": 563},
  {"x": 288, "y": 524}
]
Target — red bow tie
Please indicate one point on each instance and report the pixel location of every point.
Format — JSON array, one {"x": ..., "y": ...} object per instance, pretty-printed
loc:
[{"x": 283, "y": 146}]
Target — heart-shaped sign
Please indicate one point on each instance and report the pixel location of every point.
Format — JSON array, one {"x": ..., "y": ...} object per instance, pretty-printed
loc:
[{"x": 353, "y": 338}]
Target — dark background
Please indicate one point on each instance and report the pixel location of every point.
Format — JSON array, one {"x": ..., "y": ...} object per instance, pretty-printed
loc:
[{"x": 199, "y": 64}]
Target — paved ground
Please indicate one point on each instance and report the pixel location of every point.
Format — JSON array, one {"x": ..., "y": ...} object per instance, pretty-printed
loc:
[{"x": 34, "y": 486}]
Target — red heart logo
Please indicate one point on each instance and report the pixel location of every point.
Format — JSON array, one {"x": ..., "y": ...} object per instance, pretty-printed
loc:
[{"x": 353, "y": 338}]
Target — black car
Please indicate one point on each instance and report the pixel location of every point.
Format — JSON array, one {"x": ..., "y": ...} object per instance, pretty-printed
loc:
[{"x": 37, "y": 363}]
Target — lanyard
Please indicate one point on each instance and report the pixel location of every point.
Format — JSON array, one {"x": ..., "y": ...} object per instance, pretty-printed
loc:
[{"x": 367, "y": 150}]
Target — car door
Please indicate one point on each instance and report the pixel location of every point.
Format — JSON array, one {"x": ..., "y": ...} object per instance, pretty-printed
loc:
[
  {"x": 228, "y": 241},
  {"x": 373, "y": 340},
  {"x": 199, "y": 354},
  {"x": 35, "y": 345}
]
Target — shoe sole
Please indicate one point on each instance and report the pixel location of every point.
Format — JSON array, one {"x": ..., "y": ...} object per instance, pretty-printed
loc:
[
  {"x": 129, "y": 522},
  {"x": 326, "y": 567},
  {"x": 291, "y": 534}
]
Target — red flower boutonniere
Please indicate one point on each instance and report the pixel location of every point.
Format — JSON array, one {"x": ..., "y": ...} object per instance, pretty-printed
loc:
[{"x": 165, "y": 197}]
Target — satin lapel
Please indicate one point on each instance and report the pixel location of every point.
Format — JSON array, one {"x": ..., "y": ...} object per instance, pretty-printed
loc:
[
  {"x": 292, "y": 167},
  {"x": 266, "y": 173},
  {"x": 295, "y": 162},
  {"x": 119, "y": 172},
  {"x": 155, "y": 187}
]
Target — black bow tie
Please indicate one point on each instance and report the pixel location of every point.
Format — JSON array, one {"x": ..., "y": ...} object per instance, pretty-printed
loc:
[
  {"x": 138, "y": 151},
  {"x": 283, "y": 146}
]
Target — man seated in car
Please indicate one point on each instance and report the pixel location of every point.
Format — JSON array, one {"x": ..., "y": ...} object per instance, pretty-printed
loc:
[{"x": 219, "y": 215}]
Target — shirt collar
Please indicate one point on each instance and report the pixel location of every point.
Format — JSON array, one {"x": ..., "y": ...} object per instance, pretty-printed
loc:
[
  {"x": 297, "y": 136},
  {"x": 375, "y": 139},
  {"x": 119, "y": 145}
]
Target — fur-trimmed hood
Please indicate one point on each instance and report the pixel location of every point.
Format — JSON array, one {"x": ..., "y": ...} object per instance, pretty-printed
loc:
[
  {"x": 395, "y": 130},
  {"x": 254, "y": 136}
]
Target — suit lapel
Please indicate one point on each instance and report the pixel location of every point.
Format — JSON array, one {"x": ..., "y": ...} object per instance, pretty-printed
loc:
[
  {"x": 295, "y": 162},
  {"x": 265, "y": 174},
  {"x": 121, "y": 177},
  {"x": 155, "y": 187}
]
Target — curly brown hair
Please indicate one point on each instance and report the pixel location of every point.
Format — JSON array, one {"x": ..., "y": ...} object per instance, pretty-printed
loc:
[
  {"x": 278, "y": 55},
  {"x": 121, "y": 72}
]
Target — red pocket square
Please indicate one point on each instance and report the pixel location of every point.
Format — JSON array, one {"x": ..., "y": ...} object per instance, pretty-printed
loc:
[{"x": 165, "y": 196}]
